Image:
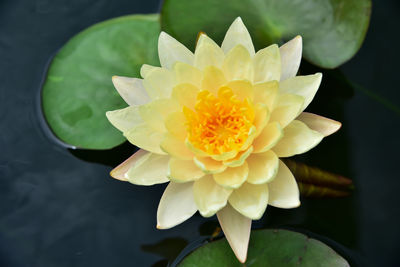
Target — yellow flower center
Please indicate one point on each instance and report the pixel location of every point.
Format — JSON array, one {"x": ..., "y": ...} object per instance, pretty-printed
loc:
[{"x": 219, "y": 124}]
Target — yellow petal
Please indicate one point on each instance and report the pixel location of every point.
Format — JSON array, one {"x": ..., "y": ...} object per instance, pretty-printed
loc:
[
  {"x": 181, "y": 171},
  {"x": 120, "y": 171},
  {"x": 131, "y": 90},
  {"x": 175, "y": 124},
  {"x": 197, "y": 152},
  {"x": 269, "y": 137},
  {"x": 209, "y": 196},
  {"x": 176, "y": 147},
  {"x": 266, "y": 93},
  {"x": 261, "y": 119},
  {"x": 305, "y": 86},
  {"x": 145, "y": 137},
  {"x": 171, "y": 51},
  {"x": 156, "y": 112},
  {"x": 250, "y": 200},
  {"x": 187, "y": 74},
  {"x": 251, "y": 135},
  {"x": 125, "y": 119},
  {"x": 208, "y": 165},
  {"x": 291, "y": 57},
  {"x": 207, "y": 53},
  {"x": 267, "y": 65},
  {"x": 283, "y": 190},
  {"x": 185, "y": 94},
  {"x": 239, "y": 159},
  {"x": 148, "y": 169},
  {"x": 297, "y": 139},
  {"x": 176, "y": 205},
  {"x": 237, "y": 34},
  {"x": 287, "y": 108},
  {"x": 242, "y": 89},
  {"x": 236, "y": 228},
  {"x": 159, "y": 83},
  {"x": 225, "y": 155},
  {"x": 232, "y": 177},
  {"x": 262, "y": 167},
  {"x": 146, "y": 69},
  {"x": 320, "y": 124},
  {"x": 237, "y": 64},
  {"x": 213, "y": 79}
]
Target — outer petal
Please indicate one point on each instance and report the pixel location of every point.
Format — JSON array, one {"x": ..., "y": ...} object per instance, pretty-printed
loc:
[
  {"x": 176, "y": 205},
  {"x": 146, "y": 69},
  {"x": 266, "y": 93},
  {"x": 187, "y": 74},
  {"x": 237, "y": 64},
  {"x": 237, "y": 34},
  {"x": 155, "y": 112},
  {"x": 145, "y": 137},
  {"x": 175, "y": 124},
  {"x": 262, "y": 167},
  {"x": 209, "y": 196},
  {"x": 208, "y": 165},
  {"x": 148, "y": 169},
  {"x": 291, "y": 57},
  {"x": 287, "y": 108},
  {"x": 267, "y": 65},
  {"x": 171, "y": 51},
  {"x": 236, "y": 228},
  {"x": 125, "y": 119},
  {"x": 283, "y": 190},
  {"x": 297, "y": 139},
  {"x": 181, "y": 171},
  {"x": 320, "y": 124},
  {"x": 159, "y": 83},
  {"x": 250, "y": 200},
  {"x": 232, "y": 177},
  {"x": 305, "y": 86},
  {"x": 176, "y": 147},
  {"x": 131, "y": 90},
  {"x": 270, "y": 136},
  {"x": 207, "y": 53},
  {"x": 242, "y": 89},
  {"x": 120, "y": 171}
]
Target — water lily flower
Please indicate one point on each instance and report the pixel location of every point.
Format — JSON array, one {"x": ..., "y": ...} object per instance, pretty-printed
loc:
[{"x": 214, "y": 123}]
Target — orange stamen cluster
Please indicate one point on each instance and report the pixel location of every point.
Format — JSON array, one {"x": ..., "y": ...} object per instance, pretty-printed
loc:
[{"x": 219, "y": 124}]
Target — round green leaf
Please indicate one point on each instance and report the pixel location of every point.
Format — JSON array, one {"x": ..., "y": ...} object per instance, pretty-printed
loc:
[
  {"x": 333, "y": 30},
  {"x": 78, "y": 89},
  {"x": 268, "y": 248}
]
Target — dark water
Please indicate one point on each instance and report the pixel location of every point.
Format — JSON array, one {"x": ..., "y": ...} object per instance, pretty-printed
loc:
[{"x": 60, "y": 207}]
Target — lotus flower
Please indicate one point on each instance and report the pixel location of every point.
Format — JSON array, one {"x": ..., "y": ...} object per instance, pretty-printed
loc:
[{"x": 214, "y": 123}]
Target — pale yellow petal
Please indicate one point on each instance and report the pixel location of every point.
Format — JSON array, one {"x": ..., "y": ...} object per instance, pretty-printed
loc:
[
  {"x": 236, "y": 228},
  {"x": 269, "y": 137},
  {"x": 261, "y": 119},
  {"x": 156, "y": 112},
  {"x": 267, "y": 65},
  {"x": 232, "y": 177},
  {"x": 297, "y": 139},
  {"x": 171, "y": 51},
  {"x": 181, "y": 171},
  {"x": 243, "y": 89},
  {"x": 239, "y": 159},
  {"x": 237, "y": 64},
  {"x": 208, "y": 165},
  {"x": 238, "y": 34},
  {"x": 185, "y": 94},
  {"x": 125, "y": 119},
  {"x": 291, "y": 57},
  {"x": 320, "y": 124},
  {"x": 146, "y": 69},
  {"x": 207, "y": 53},
  {"x": 266, "y": 93},
  {"x": 262, "y": 167},
  {"x": 120, "y": 171},
  {"x": 209, "y": 196},
  {"x": 131, "y": 90},
  {"x": 197, "y": 152},
  {"x": 250, "y": 138},
  {"x": 305, "y": 86},
  {"x": 287, "y": 108},
  {"x": 250, "y": 200},
  {"x": 283, "y": 190},
  {"x": 225, "y": 155},
  {"x": 185, "y": 73},
  {"x": 213, "y": 79},
  {"x": 149, "y": 169},
  {"x": 159, "y": 83},
  {"x": 176, "y": 147},
  {"x": 176, "y": 205},
  {"x": 145, "y": 137},
  {"x": 175, "y": 124}
]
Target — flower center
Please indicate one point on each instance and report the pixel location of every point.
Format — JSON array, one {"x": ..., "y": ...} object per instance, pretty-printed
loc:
[{"x": 219, "y": 124}]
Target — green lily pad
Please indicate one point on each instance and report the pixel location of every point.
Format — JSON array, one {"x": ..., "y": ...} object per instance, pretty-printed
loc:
[
  {"x": 78, "y": 89},
  {"x": 268, "y": 248},
  {"x": 333, "y": 30}
]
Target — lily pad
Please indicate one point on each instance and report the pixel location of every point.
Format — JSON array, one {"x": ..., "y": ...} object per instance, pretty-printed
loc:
[
  {"x": 78, "y": 89},
  {"x": 333, "y": 30},
  {"x": 268, "y": 248}
]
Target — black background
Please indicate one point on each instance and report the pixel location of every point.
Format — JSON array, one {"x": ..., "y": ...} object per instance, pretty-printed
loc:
[{"x": 59, "y": 208}]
